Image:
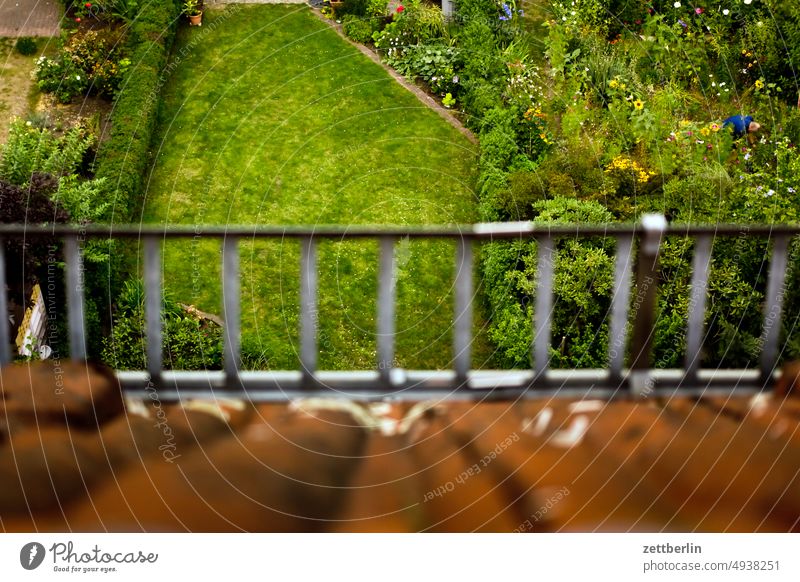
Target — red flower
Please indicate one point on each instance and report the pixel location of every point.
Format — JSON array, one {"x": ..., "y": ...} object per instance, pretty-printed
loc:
[
  {"x": 78, "y": 19},
  {"x": 698, "y": 10},
  {"x": 400, "y": 8},
  {"x": 88, "y": 5}
]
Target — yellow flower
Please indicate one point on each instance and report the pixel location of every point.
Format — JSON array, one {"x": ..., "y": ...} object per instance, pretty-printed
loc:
[
  {"x": 638, "y": 104},
  {"x": 705, "y": 131},
  {"x": 715, "y": 127},
  {"x": 613, "y": 83},
  {"x": 759, "y": 84}
]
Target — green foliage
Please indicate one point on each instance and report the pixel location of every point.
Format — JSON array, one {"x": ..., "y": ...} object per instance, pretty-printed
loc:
[
  {"x": 123, "y": 10},
  {"x": 582, "y": 287},
  {"x": 189, "y": 344},
  {"x": 124, "y": 157},
  {"x": 62, "y": 77},
  {"x": 357, "y": 28},
  {"x": 435, "y": 64},
  {"x": 89, "y": 62},
  {"x": 191, "y": 7},
  {"x": 30, "y": 149},
  {"x": 26, "y": 46},
  {"x": 357, "y": 8}
]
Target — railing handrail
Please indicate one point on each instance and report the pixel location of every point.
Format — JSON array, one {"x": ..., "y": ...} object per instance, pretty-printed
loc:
[
  {"x": 384, "y": 380},
  {"x": 478, "y": 231}
]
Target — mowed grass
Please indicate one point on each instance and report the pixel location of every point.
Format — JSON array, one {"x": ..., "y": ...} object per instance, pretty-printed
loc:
[{"x": 270, "y": 118}]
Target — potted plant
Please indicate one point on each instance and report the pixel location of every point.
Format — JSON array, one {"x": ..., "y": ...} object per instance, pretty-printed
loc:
[{"x": 192, "y": 9}]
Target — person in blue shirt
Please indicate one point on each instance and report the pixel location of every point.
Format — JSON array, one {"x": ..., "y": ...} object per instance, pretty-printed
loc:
[{"x": 741, "y": 125}]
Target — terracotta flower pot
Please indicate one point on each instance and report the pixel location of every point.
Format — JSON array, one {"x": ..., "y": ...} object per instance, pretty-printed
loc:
[{"x": 196, "y": 20}]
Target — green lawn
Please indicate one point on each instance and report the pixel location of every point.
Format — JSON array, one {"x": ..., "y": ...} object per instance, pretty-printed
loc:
[{"x": 271, "y": 118}]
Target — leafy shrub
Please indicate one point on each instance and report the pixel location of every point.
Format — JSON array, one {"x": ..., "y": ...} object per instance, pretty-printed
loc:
[
  {"x": 188, "y": 343},
  {"x": 89, "y": 63},
  {"x": 358, "y": 29},
  {"x": 123, "y": 10},
  {"x": 582, "y": 288},
  {"x": 418, "y": 24},
  {"x": 96, "y": 53},
  {"x": 26, "y": 46},
  {"x": 123, "y": 158},
  {"x": 62, "y": 77},
  {"x": 352, "y": 8},
  {"x": 31, "y": 204},
  {"x": 517, "y": 200},
  {"x": 436, "y": 64},
  {"x": 30, "y": 149}
]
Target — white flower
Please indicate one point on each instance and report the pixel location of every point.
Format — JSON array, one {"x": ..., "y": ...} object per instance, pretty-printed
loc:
[
  {"x": 726, "y": 12},
  {"x": 78, "y": 77},
  {"x": 747, "y": 1},
  {"x": 677, "y": 5}
]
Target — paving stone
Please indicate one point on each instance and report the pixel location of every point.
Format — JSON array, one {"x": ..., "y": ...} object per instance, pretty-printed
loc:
[{"x": 30, "y": 17}]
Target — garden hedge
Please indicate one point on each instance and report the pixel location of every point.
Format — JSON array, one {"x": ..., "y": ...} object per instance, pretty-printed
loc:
[{"x": 125, "y": 157}]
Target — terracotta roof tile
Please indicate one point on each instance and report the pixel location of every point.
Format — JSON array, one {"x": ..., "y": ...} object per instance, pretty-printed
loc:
[{"x": 84, "y": 461}]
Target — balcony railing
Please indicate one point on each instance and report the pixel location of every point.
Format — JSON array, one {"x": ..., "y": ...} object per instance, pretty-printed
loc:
[{"x": 631, "y": 320}]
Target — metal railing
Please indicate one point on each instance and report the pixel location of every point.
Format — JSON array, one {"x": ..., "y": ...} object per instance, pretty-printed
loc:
[{"x": 461, "y": 381}]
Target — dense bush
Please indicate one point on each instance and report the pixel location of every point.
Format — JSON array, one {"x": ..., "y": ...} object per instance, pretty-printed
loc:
[
  {"x": 582, "y": 288},
  {"x": 89, "y": 62},
  {"x": 30, "y": 149},
  {"x": 188, "y": 343},
  {"x": 31, "y": 204},
  {"x": 124, "y": 157},
  {"x": 26, "y": 46},
  {"x": 357, "y": 28}
]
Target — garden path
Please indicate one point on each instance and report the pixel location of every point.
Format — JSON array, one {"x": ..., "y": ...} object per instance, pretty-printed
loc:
[{"x": 29, "y": 18}]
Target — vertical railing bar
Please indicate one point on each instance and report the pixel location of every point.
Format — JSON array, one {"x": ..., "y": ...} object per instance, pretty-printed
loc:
[
  {"x": 620, "y": 306},
  {"x": 231, "y": 309},
  {"x": 75, "y": 318},
  {"x": 152, "y": 306},
  {"x": 308, "y": 307},
  {"x": 773, "y": 305},
  {"x": 5, "y": 337},
  {"x": 544, "y": 306},
  {"x": 695, "y": 320},
  {"x": 386, "y": 309},
  {"x": 654, "y": 226},
  {"x": 462, "y": 327}
]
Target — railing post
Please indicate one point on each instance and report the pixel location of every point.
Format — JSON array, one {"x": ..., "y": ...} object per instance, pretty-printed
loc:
[
  {"x": 152, "y": 307},
  {"x": 386, "y": 310},
  {"x": 462, "y": 326},
  {"x": 620, "y": 304},
  {"x": 545, "y": 266},
  {"x": 695, "y": 323},
  {"x": 5, "y": 339},
  {"x": 644, "y": 304},
  {"x": 773, "y": 305},
  {"x": 308, "y": 309},
  {"x": 231, "y": 310},
  {"x": 77, "y": 325}
]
